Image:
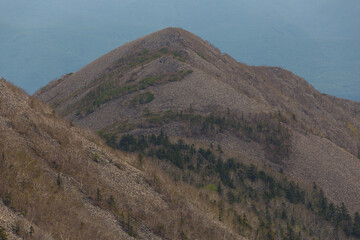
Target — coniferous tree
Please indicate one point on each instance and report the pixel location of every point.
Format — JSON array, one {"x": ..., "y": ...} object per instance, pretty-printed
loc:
[{"x": 356, "y": 226}]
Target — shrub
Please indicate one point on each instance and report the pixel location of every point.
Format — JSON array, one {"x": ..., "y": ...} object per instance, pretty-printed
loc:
[
  {"x": 142, "y": 98},
  {"x": 211, "y": 187},
  {"x": 96, "y": 157},
  {"x": 3, "y": 235}
]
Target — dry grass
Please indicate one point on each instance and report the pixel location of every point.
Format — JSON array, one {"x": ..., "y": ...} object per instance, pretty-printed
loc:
[
  {"x": 219, "y": 82},
  {"x": 66, "y": 183}
]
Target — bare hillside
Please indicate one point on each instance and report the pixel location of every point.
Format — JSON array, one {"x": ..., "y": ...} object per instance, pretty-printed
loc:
[
  {"x": 130, "y": 89},
  {"x": 61, "y": 182}
]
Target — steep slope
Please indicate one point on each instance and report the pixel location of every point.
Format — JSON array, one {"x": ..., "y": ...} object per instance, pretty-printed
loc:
[
  {"x": 60, "y": 182},
  {"x": 161, "y": 82}
]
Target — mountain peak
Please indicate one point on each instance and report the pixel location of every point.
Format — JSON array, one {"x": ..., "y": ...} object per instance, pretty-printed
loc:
[
  {"x": 147, "y": 86},
  {"x": 167, "y": 37},
  {"x": 170, "y": 32},
  {"x": 171, "y": 41}
]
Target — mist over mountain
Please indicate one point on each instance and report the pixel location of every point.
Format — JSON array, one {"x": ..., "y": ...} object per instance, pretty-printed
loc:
[{"x": 42, "y": 40}]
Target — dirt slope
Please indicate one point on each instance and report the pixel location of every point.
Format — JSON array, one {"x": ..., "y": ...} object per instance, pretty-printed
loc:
[
  {"x": 61, "y": 182},
  {"x": 174, "y": 70}
]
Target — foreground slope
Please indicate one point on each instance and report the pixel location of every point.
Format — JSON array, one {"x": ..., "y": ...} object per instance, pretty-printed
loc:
[
  {"x": 163, "y": 81},
  {"x": 60, "y": 182}
]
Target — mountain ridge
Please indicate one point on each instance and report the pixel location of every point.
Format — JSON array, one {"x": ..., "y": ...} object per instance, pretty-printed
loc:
[{"x": 217, "y": 83}]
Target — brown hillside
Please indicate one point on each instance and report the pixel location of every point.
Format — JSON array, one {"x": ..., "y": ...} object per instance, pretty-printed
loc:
[
  {"x": 60, "y": 182},
  {"x": 133, "y": 88}
]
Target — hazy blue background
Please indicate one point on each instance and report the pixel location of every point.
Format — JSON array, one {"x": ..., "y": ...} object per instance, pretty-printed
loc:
[{"x": 41, "y": 40}]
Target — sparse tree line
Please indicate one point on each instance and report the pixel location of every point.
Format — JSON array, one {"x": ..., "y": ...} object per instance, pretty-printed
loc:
[
  {"x": 238, "y": 183},
  {"x": 267, "y": 129}
]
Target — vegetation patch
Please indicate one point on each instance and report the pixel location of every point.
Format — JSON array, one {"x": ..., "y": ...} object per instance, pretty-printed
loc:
[
  {"x": 145, "y": 56},
  {"x": 138, "y": 59},
  {"x": 201, "y": 56},
  {"x": 177, "y": 55},
  {"x": 3, "y": 235},
  {"x": 266, "y": 129},
  {"x": 243, "y": 184},
  {"x": 211, "y": 188},
  {"x": 117, "y": 127},
  {"x": 354, "y": 131},
  {"x": 110, "y": 90},
  {"x": 108, "y": 87},
  {"x": 142, "y": 98}
]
